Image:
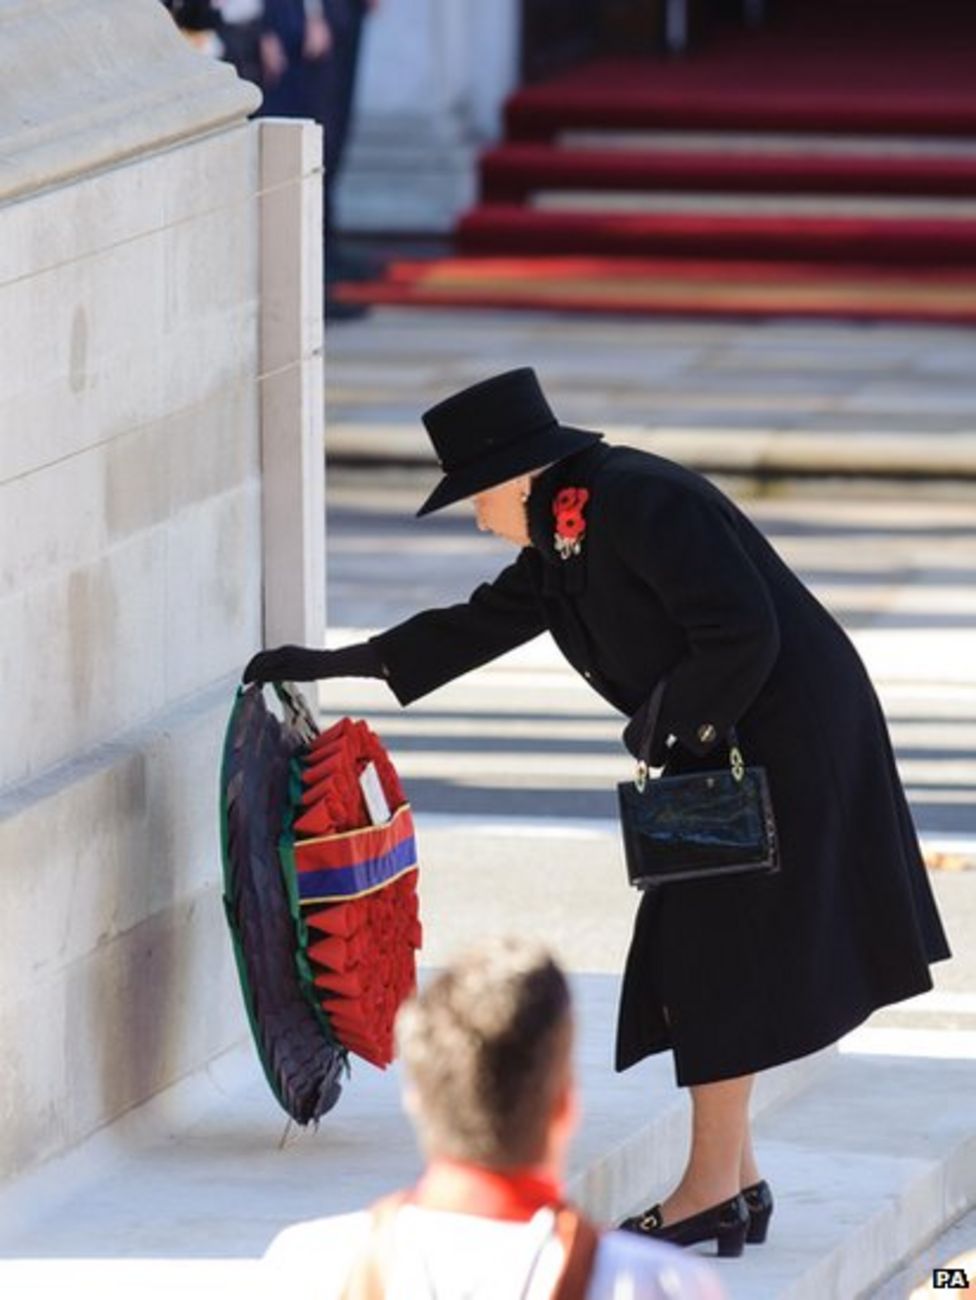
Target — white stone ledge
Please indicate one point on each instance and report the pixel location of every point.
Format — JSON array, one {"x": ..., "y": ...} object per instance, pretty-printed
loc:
[{"x": 94, "y": 84}]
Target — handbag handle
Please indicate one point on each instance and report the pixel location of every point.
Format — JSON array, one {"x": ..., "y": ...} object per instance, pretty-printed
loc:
[{"x": 736, "y": 761}]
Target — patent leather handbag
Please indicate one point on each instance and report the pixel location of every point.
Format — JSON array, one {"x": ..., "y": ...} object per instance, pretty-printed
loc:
[{"x": 697, "y": 825}]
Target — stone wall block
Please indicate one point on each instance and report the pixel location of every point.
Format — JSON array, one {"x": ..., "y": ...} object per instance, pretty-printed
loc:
[
  {"x": 144, "y": 1011},
  {"x": 115, "y": 962},
  {"x": 109, "y": 841},
  {"x": 212, "y": 623},
  {"x": 211, "y": 274},
  {"x": 130, "y": 456},
  {"x": 33, "y": 1083},
  {"x": 118, "y": 340},
  {"x": 101, "y": 646},
  {"x": 292, "y": 382},
  {"x": 49, "y": 523},
  {"x": 130, "y": 1018},
  {"x": 82, "y": 658},
  {"x": 293, "y": 554},
  {"x": 176, "y": 186},
  {"x": 291, "y": 243},
  {"x": 66, "y": 514},
  {"x": 80, "y": 362}
]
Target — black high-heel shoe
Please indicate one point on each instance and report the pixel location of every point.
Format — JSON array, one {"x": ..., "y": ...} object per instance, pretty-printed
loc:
[
  {"x": 726, "y": 1223},
  {"x": 759, "y": 1203}
]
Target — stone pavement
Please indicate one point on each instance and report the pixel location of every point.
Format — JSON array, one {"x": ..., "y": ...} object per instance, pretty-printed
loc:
[
  {"x": 210, "y": 1172},
  {"x": 765, "y": 398},
  {"x": 863, "y": 1150}
]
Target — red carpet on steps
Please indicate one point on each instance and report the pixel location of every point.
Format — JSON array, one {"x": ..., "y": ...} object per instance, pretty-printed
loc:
[
  {"x": 497, "y": 229},
  {"x": 684, "y": 288},
  {"x": 870, "y": 66},
  {"x": 511, "y": 173},
  {"x": 866, "y": 68}
]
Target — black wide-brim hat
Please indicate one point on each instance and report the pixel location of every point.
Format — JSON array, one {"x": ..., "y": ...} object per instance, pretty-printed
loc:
[{"x": 494, "y": 431}]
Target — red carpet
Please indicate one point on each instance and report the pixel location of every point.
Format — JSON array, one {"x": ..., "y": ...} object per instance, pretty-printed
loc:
[
  {"x": 563, "y": 223},
  {"x": 874, "y": 66},
  {"x": 497, "y": 229},
  {"x": 685, "y": 288},
  {"x": 513, "y": 172},
  {"x": 620, "y": 95}
]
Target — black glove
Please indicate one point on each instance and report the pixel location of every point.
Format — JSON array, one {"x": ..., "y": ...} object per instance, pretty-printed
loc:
[{"x": 295, "y": 663}]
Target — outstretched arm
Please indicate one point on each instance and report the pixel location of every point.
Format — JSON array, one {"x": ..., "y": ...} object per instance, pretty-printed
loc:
[
  {"x": 432, "y": 648},
  {"x": 440, "y": 644}
]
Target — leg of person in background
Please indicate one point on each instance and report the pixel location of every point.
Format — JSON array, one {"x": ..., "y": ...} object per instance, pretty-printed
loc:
[
  {"x": 242, "y": 48},
  {"x": 282, "y": 36},
  {"x": 330, "y": 84},
  {"x": 347, "y": 21}
]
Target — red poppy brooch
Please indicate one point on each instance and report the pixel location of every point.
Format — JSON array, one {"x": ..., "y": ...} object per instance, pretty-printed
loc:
[{"x": 567, "y": 506}]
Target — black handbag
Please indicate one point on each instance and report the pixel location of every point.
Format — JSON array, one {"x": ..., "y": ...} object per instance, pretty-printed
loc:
[{"x": 696, "y": 825}]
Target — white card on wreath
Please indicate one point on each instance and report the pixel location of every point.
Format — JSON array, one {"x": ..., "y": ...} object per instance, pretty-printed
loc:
[{"x": 376, "y": 804}]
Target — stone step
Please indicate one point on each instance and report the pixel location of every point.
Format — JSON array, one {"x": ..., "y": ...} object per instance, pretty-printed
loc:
[
  {"x": 957, "y": 1240},
  {"x": 868, "y": 1167},
  {"x": 209, "y": 1169},
  {"x": 871, "y": 1154}
]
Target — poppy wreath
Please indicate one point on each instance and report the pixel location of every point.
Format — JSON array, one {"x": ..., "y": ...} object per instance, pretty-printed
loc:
[
  {"x": 567, "y": 506},
  {"x": 322, "y": 903}
]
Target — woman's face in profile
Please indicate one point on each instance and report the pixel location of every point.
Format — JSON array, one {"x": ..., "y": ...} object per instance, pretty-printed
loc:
[{"x": 501, "y": 510}]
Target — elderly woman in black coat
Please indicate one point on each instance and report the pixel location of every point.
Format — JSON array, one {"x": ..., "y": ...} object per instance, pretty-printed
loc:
[{"x": 643, "y": 571}]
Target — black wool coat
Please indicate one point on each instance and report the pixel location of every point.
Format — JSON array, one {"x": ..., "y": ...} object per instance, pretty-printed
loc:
[{"x": 742, "y": 973}]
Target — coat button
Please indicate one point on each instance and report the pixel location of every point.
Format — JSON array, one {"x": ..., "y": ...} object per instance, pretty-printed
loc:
[
  {"x": 706, "y": 733},
  {"x": 588, "y": 675}
]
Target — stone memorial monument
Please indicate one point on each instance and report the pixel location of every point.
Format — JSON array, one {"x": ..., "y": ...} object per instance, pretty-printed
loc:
[{"x": 161, "y": 513}]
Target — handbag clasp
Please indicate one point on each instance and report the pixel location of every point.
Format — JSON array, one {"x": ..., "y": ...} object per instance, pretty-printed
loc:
[
  {"x": 640, "y": 777},
  {"x": 737, "y": 763}
]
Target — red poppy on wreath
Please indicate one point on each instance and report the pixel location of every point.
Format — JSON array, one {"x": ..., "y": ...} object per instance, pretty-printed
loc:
[{"x": 568, "y": 506}]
